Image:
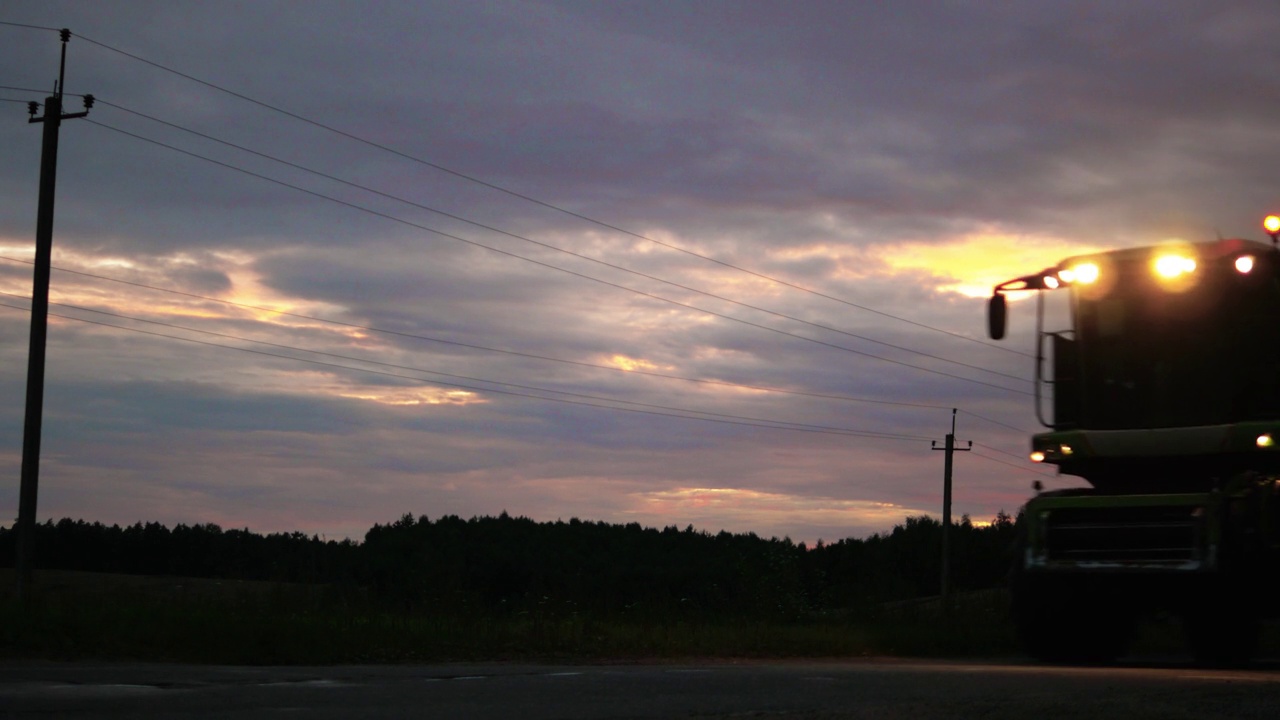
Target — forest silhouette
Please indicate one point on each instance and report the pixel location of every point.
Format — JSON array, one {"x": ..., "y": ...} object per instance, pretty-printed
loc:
[{"x": 505, "y": 565}]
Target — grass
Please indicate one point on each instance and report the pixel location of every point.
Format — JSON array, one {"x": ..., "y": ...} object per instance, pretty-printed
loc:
[
  {"x": 79, "y": 616},
  {"x": 94, "y": 616}
]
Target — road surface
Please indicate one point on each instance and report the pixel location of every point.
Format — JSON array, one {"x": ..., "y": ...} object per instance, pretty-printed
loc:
[{"x": 808, "y": 690}]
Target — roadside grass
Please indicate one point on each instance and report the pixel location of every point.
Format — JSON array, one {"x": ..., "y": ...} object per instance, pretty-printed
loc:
[
  {"x": 95, "y": 616},
  {"x": 90, "y": 616}
]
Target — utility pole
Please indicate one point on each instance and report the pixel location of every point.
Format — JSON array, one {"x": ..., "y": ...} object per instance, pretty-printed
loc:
[
  {"x": 950, "y": 448},
  {"x": 31, "y": 429}
]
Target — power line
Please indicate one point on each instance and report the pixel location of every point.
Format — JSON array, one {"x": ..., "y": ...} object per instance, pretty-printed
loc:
[
  {"x": 548, "y": 265},
  {"x": 34, "y": 90},
  {"x": 124, "y": 109},
  {"x": 549, "y": 246},
  {"x": 674, "y": 411},
  {"x": 30, "y": 27},
  {"x": 527, "y": 198},
  {"x": 562, "y": 250},
  {"x": 996, "y": 422},
  {"x": 1002, "y": 452},
  {"x": 424, "y": 370},
  {"x": 580, "y": 363}
]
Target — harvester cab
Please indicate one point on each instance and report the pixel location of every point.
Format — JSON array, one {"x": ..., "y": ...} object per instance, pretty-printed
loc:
[
  {"x": 1171, "y": 351},
  {"x": 1162, "y": 393}
]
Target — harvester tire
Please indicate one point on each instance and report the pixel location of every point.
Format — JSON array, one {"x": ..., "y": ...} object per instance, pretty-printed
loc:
[
  {"x": 1220, "y": 636},
  {"x": 1054, "y": 624}
]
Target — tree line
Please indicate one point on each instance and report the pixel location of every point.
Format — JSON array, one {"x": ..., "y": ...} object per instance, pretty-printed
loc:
[{"x": 505, "y": 564}]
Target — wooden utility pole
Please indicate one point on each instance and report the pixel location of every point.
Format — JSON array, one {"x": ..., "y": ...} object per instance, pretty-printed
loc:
[
  {"x": 31, "y": 429},
  {"x": 950, "y": 448}
]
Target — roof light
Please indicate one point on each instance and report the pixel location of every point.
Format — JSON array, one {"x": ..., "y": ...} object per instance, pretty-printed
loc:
[
  {"x": 1080, "y": 274},
  {"x": 1085, "y": 273},
  {"x": 1171, "y": 266},
  {"x": 1244, "y": 264}
]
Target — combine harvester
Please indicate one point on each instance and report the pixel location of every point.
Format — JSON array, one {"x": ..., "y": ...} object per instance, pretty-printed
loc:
[{"x": 1165, "y": 399}]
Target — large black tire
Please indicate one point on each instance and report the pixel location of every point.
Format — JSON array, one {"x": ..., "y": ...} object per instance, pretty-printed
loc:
[
  {"x": 1069, "y": 619},
  {"x": 1222, "y": 642},
  {"x": 1221, "y": 630}
]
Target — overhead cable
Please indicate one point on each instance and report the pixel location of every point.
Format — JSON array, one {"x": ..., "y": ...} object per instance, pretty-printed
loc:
[
  {"x": 516, "y": 353},
  {"x": 548, "y": 265},
  {"x": 29, "y": 27},
  {"x": 712, "y": 417},
  {"x": 555, "y": 248},
  {"x": 527, "y": 198}
]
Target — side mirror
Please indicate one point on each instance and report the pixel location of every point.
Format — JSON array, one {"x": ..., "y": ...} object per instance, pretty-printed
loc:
[{"x": 997, "y": 316}]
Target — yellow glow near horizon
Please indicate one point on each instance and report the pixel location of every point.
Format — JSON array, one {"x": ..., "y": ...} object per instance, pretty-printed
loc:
[
  {"x": 120, "y": 263},
  {"x": 629, "y": 363},
  {"x": 415, "y": 397},
  {"x": 763, "y": 508},
  {"x": 407, "y": 397},
  {"x": 20, "y": 250},
  {"x": 976, "y": 263}
]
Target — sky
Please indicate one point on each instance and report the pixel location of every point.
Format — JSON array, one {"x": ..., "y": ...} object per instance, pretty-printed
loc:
[{"x": 722, "y": 264}]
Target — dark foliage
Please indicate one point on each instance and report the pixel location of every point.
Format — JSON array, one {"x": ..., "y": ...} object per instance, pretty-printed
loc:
[
  {"x": 195, "y": 551},
  {"x": 514, "y": 566}
]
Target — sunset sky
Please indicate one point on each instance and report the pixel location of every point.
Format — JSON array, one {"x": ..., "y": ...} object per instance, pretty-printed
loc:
[{"x": 321, "y": 264}]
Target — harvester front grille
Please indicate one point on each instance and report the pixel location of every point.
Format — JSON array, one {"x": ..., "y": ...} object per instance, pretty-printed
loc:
[{"x": 1129, "y": 535}]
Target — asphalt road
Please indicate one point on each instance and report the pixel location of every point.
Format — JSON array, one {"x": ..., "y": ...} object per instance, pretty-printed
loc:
[{"x": 809, "y": 690}]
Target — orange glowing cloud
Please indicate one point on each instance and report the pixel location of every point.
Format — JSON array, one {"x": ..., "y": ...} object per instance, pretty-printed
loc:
[
  {"x": 251, "y": 297},
  {"x": 324, "y": 383}
]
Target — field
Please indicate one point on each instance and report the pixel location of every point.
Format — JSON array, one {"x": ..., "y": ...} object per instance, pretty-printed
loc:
[
  {"x": 78, "y": 615},
  {"x": 82, "y": 616}
]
